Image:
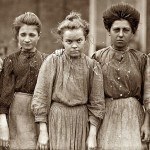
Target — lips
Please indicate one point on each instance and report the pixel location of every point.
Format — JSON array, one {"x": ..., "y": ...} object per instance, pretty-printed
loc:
[{"x": 120, "y": 40}]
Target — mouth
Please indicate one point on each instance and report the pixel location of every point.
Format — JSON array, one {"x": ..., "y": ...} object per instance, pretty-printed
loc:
[{"x": 120, "y": 40}]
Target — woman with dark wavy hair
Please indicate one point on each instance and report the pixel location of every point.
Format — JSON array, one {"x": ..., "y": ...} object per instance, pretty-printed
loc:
[{"x": 125, "y": 125}]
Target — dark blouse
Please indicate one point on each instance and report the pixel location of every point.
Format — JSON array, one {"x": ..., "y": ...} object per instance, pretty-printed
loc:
[
  {"x": 1, "y": 82},
  {"x": 122, "y": 71},
  {"x": 20, "y": 75}
]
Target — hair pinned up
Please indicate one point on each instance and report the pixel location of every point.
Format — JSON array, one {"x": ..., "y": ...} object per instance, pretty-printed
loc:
[
  {"x": 73, "y": 21},
  {"x": 121, "y": 11},
  {"x": 27, "y": 18}
]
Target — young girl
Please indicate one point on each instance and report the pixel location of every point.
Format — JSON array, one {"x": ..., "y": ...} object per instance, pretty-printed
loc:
[
  {"x": 20, "y": 76},
  {"x": 69, "y": 92}
]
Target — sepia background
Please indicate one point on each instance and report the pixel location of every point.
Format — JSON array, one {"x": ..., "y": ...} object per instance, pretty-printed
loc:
[{"x": 51, "y": 12}]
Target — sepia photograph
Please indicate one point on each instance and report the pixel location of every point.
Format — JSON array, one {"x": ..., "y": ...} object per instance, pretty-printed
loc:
[{"x": 74, "y": 75}]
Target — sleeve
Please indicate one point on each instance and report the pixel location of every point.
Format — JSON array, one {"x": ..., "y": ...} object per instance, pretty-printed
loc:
[
  {"x": 146, "y": 93},
  {"x": 96, "y": 104},
  {"x": 43, "y": 91},
  {"x": 7, "y": 92}
]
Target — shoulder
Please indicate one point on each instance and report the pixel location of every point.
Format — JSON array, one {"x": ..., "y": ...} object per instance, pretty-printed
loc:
[
  {"x": 98, "y": 54},
  {"x": 43, "y": 55},
  {"x": 138, "y": 54},
  {"x": 11, "y": 57},
  {"x": 51, "y": 59}
]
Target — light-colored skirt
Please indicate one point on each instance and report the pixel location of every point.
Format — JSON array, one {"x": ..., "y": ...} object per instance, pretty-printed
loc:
[
  {"x": 23, "y": 131},
  {"x": 121, "y": 126},
  {"x": 68, "y": 127}
]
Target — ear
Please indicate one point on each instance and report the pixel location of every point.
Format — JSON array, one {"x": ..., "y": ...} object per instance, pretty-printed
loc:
[{"x": 39, "y": 35}]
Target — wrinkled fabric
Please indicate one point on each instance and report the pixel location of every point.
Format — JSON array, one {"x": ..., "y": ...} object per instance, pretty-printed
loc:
[
  {"x": 123, "y": 73},
  {"x": 71, "y": 82},
  {"x": 68, "y": 127},
  {"x": 19, "y": 75},
  {"x": 23, "y": 130},
  {"x": 147, "y": 82},
  {"x": 121, "y": 127}
]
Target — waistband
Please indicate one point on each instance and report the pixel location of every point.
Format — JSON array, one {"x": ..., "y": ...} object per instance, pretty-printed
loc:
[
  {"x": 23, "y": 94},
  {"x": 127, "y": 98},
  {"x": 66, "y": 106}
]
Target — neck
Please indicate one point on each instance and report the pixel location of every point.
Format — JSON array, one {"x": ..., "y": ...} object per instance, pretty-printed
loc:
[
  {"x": 28, "y": 50},
  {"x": 120, "y": 48}
]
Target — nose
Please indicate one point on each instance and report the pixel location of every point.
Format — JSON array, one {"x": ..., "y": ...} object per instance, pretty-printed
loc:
[
  {"x": 74, "y": 45},
  {"x": 121, "y": 33},
  {"x": 27, "y": 39}
]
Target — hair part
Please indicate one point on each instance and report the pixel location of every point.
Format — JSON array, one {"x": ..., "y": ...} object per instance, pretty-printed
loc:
[
  {"x": 121, "y": 11},
  {"x": 71, "y": 22},
  {"x": 27, "y": 18}
]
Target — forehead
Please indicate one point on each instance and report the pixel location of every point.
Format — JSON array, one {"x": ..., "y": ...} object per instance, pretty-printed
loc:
[
  {"x": 28, "y": 29},
  {"x": 73, "y": 33},
  {"x": 121, "y": 24}
]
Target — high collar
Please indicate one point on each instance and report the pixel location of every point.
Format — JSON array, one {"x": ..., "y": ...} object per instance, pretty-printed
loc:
[{"x": 28, "y": 54}]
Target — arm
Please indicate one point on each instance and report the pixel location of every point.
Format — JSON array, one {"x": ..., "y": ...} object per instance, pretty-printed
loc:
[
  {"x": 43, "y": 91},
  {"x": 7, "y": 92},
  {"x": 42, "y": 98},
  {"x": 147, "y": 85},
  {"x": 96, "y": 105},
  {"x": 145, "y": 129},
  {"x": 5, "y": 100}
]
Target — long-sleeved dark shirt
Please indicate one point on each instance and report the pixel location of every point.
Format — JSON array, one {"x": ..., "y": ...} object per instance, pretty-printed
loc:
[
  {"x": 123, "y": 72},
  {"x": 19, "y": 75}
]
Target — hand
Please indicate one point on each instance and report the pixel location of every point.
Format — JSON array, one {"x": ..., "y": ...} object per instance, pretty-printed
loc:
[
  {"x": 91, "y": 142},
  {"x": 1, "y": 64},
  {"x": 145, "y": 133},
  {"x": 4, "y": 132},
  {"x": 43, "y": 137},
  {"x": 43, "y": 141},
  {"x": 147, "y": 107},
  {"x": 59, "y": 52}
]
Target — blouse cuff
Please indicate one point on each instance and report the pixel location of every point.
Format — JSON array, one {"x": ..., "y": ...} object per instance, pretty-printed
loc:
[
  {"x": 94, "y": 121},
  {"x": 41, "y": 119},
  {"x": 4, "y": 110}
]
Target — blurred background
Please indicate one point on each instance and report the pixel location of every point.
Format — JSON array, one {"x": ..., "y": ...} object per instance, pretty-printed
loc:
[{"x": 51, "y": 12}]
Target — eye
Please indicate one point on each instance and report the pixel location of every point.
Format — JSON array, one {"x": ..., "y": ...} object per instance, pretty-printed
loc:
[
  {"x": 79, "y": 40},
  {"x": 22, "y": 34},
  {"x": 116, "y": 29},
  {"x": 32, "y": 35},
  {"x": 69, "y": 41},
  {"x": 126, "y": 30}
]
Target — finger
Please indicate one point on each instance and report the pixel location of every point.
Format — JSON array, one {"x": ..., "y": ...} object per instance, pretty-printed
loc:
[
  {"x": 42, "y": 147},
  {"x": 4, "y": 143},
  {"x": 1, "y": 143},
  {"x": 145, "y": 138},
  {"x": 142, "y": 134},
  {"x": 37, "y": 146},
  {"x": 46, "y": 147}
]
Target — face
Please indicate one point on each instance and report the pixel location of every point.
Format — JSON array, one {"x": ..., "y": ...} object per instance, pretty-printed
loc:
[
  {"x": 120, "y": 34},
  {"x": 28, "y": 37},
  {"x": 74, "y": 42}
]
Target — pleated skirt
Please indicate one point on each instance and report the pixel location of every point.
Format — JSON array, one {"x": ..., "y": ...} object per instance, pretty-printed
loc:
[
  {"x": 121, "y": 126},
  {"x": 23, "y": 130},
  {"x": 68, "y": 127}
]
